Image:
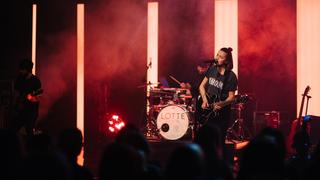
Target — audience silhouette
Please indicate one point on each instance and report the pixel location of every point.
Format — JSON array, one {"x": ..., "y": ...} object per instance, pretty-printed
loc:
[
  {"x": 128, "y": 157},
  {"x": 185, "y": 162},
  {"x": 44, "y": 161},
  {"x": 209, "y": 138},
  {"x": 70, "y": 143},
  {"x": 11, "y": 155}
]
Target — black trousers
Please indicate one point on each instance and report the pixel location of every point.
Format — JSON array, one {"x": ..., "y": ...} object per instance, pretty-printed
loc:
[
  {"x": 26, "y": 117},
  {"x": 222, "y": 121}
]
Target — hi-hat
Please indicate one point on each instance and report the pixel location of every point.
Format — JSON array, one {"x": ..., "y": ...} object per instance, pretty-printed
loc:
[{"x": 148, "y": 84}]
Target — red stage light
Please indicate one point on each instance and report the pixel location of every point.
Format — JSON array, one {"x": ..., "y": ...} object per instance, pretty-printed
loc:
[
  {"x": 111, "y": 129},
  {"x": 114, "y": 123}
]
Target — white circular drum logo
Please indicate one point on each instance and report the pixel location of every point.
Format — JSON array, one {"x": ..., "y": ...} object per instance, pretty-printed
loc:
[{"x": 173, "y": 122}]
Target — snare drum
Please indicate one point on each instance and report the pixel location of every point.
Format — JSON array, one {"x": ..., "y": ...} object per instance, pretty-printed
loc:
[{"x": 173, "y": 122}]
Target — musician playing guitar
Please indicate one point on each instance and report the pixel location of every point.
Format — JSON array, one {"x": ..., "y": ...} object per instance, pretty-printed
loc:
[
  {"x": 217, "y": 91},
  {"x": 27, "y": 88}
]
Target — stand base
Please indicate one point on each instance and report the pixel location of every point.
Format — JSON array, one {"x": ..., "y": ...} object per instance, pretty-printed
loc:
[{"x": 238, "y": 132}]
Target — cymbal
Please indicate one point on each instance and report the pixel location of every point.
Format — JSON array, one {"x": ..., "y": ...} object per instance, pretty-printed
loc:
[
  {"x": 169, "y": 89},
  {"x": 162, "y": 90},
  {"x": 148, "y": 84},
  {"x": 185, "y": 96}
]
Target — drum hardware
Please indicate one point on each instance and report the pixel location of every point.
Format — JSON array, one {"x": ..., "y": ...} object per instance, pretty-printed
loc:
[
  {"x": 165, "y": 127},
  {"x": 237, "y": 131},
  {"x": 151, "y": 133}
]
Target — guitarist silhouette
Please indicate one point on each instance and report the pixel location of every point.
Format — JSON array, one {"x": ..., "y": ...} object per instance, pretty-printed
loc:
[
  {"x": 27, "y": 88},
  {"x": 217, "y": 92}
]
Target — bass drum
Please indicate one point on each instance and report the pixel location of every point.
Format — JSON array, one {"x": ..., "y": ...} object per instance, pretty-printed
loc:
[{"x": 173, "y": 122}]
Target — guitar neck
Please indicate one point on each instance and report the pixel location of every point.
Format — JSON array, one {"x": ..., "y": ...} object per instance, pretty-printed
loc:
[{"x": 301, "y": 108}]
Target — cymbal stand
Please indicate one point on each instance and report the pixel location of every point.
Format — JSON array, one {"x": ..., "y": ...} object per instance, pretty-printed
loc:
[
  {"x": 151, "y": 126},
  {"x": 237, "y": 131}
]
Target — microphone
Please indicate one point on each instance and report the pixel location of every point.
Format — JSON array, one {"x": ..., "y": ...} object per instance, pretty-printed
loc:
[
  {"x": 150, "y": 64},
  {"x": 215, "y": 61}
]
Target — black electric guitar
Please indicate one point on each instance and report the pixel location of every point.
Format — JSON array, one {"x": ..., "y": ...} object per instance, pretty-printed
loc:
[
  {"x": 203, "y": 115},
  {"x": 34, "y": 96},
  {"x": 21, "y": 99}
]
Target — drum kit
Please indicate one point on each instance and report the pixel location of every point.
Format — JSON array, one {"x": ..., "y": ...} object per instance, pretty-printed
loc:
[{"x": 171, "y": 111}]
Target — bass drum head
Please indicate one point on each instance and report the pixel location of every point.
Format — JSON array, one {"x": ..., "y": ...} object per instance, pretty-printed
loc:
[{"x": 173, "y": 122}]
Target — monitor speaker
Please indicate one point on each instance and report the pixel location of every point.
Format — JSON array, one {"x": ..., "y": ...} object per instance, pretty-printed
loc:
[{"x": 263, "y": 119}]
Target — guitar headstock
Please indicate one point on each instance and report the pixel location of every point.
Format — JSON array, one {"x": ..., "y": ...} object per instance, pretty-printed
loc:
[{"x": 306, "y": 90}]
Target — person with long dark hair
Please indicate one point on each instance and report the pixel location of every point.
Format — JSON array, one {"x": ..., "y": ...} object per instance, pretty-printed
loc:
[{"x": 217, "y": 92}]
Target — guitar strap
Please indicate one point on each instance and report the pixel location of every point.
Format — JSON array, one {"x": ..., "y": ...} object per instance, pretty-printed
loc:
[{"x": 227, "y": 73}]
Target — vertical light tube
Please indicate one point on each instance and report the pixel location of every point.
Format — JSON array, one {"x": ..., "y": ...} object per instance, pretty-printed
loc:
[
  {"x": 226, "y": 28},
  {"x": 80, "y": 73},
  {"x": 308, "y": 54},
  {"x": 34, "y": 36},
  {"x": 152, "y": 61},
  {"x": 152, "y": 52}
]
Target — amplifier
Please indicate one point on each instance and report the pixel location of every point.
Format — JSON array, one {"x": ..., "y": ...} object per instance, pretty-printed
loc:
[{"x": 262, "y": 119}]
